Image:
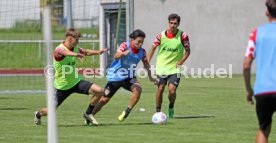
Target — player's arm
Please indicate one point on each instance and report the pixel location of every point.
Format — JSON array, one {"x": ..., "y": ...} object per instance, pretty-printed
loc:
[
  {"x": 249, "y": 57},
  {"x": 121, "y": 51},
  {"x": 89, "y": 52},
  {"x": 118, "y": 55},
  {"x": 156, "y": 43},
  {"x": 62, "y": 52},
  {"x": 246, "y": 74},
  {"x": 185, "y": 57},
  {"x": 151, "y": 52},
  {"x": 186, "y": 45},
  {"x": 147, "y": 67}
]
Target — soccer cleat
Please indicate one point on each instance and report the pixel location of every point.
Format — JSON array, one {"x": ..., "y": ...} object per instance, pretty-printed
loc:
[
  {"x": 171, "y": 112},
  {"x": 89, "y": 118},
  {"x": 87, "y": 122},
  {"x": 122, "y": 117},
  {"x": 37, "y": 121}
]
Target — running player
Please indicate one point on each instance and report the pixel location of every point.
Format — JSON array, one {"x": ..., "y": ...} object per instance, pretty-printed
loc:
[
  {"x": 66, "y": 84},
  {"x": 122, "y": 72},
  {"x": 172, "y": 43}
]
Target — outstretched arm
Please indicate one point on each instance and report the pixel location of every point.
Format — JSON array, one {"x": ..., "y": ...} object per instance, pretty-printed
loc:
[
  {"x": 69, "y": 53},
  {"x": 88, "y": 52}
]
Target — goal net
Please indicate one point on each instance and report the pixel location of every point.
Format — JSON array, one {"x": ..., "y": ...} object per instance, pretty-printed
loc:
[{"x": 23, "y": 53}]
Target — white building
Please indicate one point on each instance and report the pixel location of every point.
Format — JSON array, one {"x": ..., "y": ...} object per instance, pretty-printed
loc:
[
  {"x": 85, "y": 12},
  {"x": 218, "y": 29}
]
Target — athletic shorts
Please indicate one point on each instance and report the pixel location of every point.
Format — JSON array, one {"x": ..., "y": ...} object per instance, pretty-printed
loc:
[
  {"x": 173, "y": 79},
  {"x": 265, "y": 107},
  {"x": 112, "y": 86},
  {"x": 82, "y": 87}
]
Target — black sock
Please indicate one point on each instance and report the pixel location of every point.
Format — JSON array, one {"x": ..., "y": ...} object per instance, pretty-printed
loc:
[
  {"x": 171, "y": 105},
  {"x": 158, "y": 109},
  {"x": 38, "y": 115},
  {"x": 128, "y": 110},
  {"x": 89, "y": 109}
]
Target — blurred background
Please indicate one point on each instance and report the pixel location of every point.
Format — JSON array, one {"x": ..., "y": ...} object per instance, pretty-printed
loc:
[{"x": 218, "y": 31}]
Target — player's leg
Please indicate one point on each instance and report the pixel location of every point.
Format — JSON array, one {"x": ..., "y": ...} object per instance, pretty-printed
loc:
[
  {"x": 262, "y": 135},
  {"x": 171, "y": 97},
  {"x": 38, "y": 115},
  {"x": 60, "y": 95},
  {"x": 265, "y": 107},
  {"x": 97, "y": 93},
  {"x": 110, "y": 89},
  {"x": 86, "y": 87},
  {"x": 173, "y": 84},
  {"x": 162, "y": 81},
  {"x": 134, "y": 86}
]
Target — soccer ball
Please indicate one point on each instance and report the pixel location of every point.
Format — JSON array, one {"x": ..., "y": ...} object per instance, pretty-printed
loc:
[{"x": 159, "y": 118}]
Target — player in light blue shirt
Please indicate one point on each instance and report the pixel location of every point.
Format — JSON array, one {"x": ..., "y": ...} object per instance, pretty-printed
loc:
[
  {"x": 262, "y": 48},
  {"x": 121, "y": 72}
]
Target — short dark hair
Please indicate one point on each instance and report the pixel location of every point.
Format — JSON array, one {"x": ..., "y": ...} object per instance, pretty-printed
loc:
[
  {"x": 73, "y": 32},
  {"x": 174, "y": 16},
  {"x": 271, "y": 7},
  {"x": 137, "y": 33}
]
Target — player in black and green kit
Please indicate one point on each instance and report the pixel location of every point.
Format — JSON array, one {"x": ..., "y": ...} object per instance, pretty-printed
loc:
[
  {"x": 67, "y": 80},
  {"x": 173, "y": 50}
]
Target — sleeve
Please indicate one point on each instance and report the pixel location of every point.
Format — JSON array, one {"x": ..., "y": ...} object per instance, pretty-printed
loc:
[
  {"x": 185, "y": 41},
  {"x": 144, "y": 58},
  {"x": 57, "y": 55},
  {"x": 157, "y": 40},
  {"x": 250, "y": 50},
  {"x": 122, "y": 48}
]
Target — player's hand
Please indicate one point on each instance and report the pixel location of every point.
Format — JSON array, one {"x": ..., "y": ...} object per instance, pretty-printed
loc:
[
  {"x": 103, "y": 50},
  {"x": 125, "y": 52},
  {"x": 80, "y": 57},
  {"x": 249, "y": 96},
  {"x": 155, "y": 81},
  {"x": 179, "y": 64}
]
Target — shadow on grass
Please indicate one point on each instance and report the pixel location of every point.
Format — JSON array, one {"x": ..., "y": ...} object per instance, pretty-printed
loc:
[
  {"x": 107, "y": 124},
  {"x": 193, "y": 117},
  {"x": 4, "y": 98},
  {"x": 13, "y": 108},
  {"x": 72, "y": 125},
  {"x": 135, "y": 124},
  {"x": 124, "y": 124}
]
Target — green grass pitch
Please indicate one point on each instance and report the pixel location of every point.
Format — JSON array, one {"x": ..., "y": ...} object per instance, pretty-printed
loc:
[{"x": 208, "y": 111}]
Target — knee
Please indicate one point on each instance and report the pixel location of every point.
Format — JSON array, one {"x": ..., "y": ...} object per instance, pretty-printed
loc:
[
  {"x": 172, "y": 91},
  {"x": 99, "y": 92},
  {"x": 104, "y": 100},
  {"x": 161, "y": 88},
  {"x": 137, "y": 90}
]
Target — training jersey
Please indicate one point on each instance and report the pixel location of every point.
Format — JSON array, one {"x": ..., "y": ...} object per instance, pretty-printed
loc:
[
  {"x": 125, "y": 67},
  {"x": 71, "y": 78},
  {"x": 262, "y": 47},
  {"x": 170, "y": 51}
]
